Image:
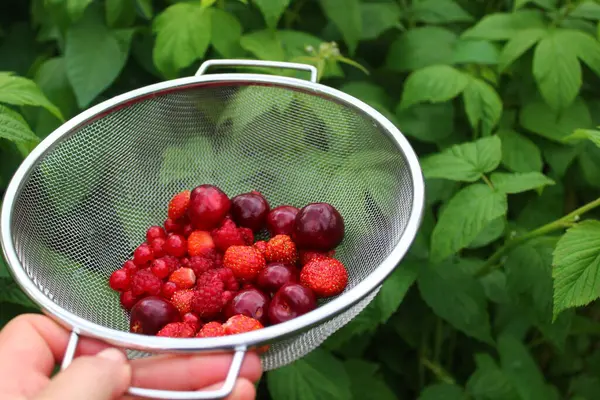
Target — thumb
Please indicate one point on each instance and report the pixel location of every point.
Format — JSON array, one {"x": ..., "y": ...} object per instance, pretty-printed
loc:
[{"x": 105, "y": 376}]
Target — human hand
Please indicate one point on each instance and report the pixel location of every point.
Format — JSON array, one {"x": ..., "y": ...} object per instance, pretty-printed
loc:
[{"x": 31, "y": 345}]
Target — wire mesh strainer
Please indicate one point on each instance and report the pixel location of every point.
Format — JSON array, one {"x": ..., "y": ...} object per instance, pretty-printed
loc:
[{"x": 80, "y": 202}]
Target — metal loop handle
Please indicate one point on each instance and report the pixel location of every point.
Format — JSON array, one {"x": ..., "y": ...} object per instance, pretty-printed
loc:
[
  {"x": 258, "y": 63},
  {"x": 222, "y": 392}
]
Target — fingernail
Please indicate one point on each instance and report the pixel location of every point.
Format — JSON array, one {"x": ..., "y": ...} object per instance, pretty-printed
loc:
[{"x": 112, "y": 354}]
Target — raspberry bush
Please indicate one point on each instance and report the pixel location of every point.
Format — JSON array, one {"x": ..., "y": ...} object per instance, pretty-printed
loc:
[{"x": 496, "y": 299}]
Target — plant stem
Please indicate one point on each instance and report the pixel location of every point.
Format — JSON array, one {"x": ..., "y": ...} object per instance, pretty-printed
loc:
[
  {"x": 561, "y": 223},
  {"x": 440, "y": 373},
  {"x": 488, "y": 182},
  {"x": 438, "y": 339}
]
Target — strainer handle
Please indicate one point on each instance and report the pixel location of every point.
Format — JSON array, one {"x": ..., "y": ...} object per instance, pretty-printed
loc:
[
  {"x": 222, "y": 392},
  {"x": 259, "y": 63}
]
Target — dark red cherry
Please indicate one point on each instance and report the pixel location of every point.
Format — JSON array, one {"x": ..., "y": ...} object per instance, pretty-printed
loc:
[
  {"x": 319, "y": 226},
  {"x": 281, "y": 220},
  {"x": 250, "y": 210},
  {"x": 275, "y": 275},
  {"x": 250, "y": 302},
  {"x": 208, "y": 207},
  {"x": 151, "y": 314},
  {"x": 291, "y": 301}
]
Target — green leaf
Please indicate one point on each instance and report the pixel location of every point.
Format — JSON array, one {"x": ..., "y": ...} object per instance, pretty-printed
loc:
[
  {"x": 483, "y": 105},
  {"x": 585, "y": 46},
  {"x": 457, "y": 297},
  {"x": 272, "y": 10},
  {"x": 442, "y": 391},
  {"x": 435, "y": 84},
  {"x": 591, "y": 134},
  {"x": 488, "y": 382},
  {"x": 519, "y": 154},
  {"x": 576, "y": 263},
  {"x": 76, "y": 8},
  {"x": 475, "y": 51},
  {"x": 317, "y": 375},
  {"x": 3, "y": 268},
  {"x": 537, "y": 117},
  {"x": 346, "y": 16},
  {"x": 377, "y": 18},
  {"x": 366, "y": 382},
  {"x": 183, "y": 33},
  {"x": 263, "y": 44},
  {"x": 427, "y": 122},
  {"x": 421, "y": 47},
  {"x": 11, "y": 293},
  {"x": 368, "y": 92},
  {"x": 557, "y": 331},
  {"x": 13, "y": 127},
  {"x": 464, "y": 217},
  {"x": 120, "y": 13},
  {"x": 586, "y": 9},
  {"x": 395, "y": 288},
  {"x": 20, "y": 91},
  {"x": 94, "y": 57},
  {"x": 226, "y": 33},
  {"x": 145, "y": 7},
  {"x": 439, "y": 12},
  {"x": 520, "y": 181},
  {"x": 464, "y": 162},
  {"x": 521, "y": 368},
  {"x": 557, "y": 70},
  {"x": 519, "y": 44},
  {"x": 491, "y": 232},
  {"x": 503, "y": 26}
]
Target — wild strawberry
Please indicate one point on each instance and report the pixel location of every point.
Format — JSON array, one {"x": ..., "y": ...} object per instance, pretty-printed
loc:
[
  {"x": 144, "y": 282},
  {"x": 155, "y": 232},
  {"x": 173, "y": 226},
  {"x": 261, "y": 246},
  {"x": 179, "y": 204},
  {"x": 281, "y": 248},
  {"x": 245, "y": 262},
  {"x": 248, "y": 236},
  {"x": 326, "y": 278},
  {"x": 227, "y": 235},
  {"x": 160, "y": 268},
  {"x": 177, "y": 330},
  {"x": 200, "y": 264},
  {"x": 182, "y": 299},
  {"x": 130, "y": 267},
  {"x": 127, "y": 299},
  {"x": 168, "y": 289},
  {"x": 208, "y": 301},
  {"x": 211, "y": 329},
  {"x": 176, "y": 245},
  {"x": 143, "y": 255},
  {"x": 157, "y": 246},
  {"x": 120, "y": 280},
  {"x": 199, "y": 242},
  {"x": 240, "y": 324},
  {"x": 184, "y": 278},
  {"x": 306, "y": 256}
]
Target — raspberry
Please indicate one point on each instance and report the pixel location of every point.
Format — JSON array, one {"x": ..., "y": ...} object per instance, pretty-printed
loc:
[
  {"x": 168, "y": 289},
  {"x": 200, "y": 264},
  {"x": 281, "y": 248},
  {"x": 227, "y": 235},
  {"x": 219, "y": 260},
  {"x": 306, "y": 256},
  {"x": 130, "y": 267},
  {"x": 212, "y": 329},
  {"x": 160, "y": 268},
  {"x": 208, "y": 300},
  {"x": 199, "y": 242},
  {"x": 158, "y": 247},
  {"x": 248, "y": 236},
  {"x": 182, "y": 299},
  {"x": 173, "y": 226},
  {"x": 176, "y": 245},
  {"x": 261, "y": 246},
  {"x": 241, "y": 323},
  {"x": 179, "y": 204},
  {"x": 142, "y": 255},
  {"x": 172, "y": 262},
  {"x": 177, "y": 330},
  {"x": 184, "y": 278},
  {"x": 144, "y": 282},
  {"x": 155, "y": 232},
  {"x": 245, "y": 262},
  {"x": 128, "y": 300},
  {"x": 222, "y": 275},
  {"x": 119, "y": 280},
  {"x": 326, "y": 278},
  {"x": 192, "y": 320}
]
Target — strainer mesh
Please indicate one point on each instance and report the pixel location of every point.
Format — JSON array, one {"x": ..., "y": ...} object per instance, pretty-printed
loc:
[{"x": 86, "y": 204}]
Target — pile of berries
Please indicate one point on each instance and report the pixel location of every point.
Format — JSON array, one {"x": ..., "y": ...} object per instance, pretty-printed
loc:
[{"x": 202, "y": 273}]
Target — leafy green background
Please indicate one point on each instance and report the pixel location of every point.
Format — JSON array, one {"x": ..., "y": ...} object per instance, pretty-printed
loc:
[{"x": 500, "y": 99}]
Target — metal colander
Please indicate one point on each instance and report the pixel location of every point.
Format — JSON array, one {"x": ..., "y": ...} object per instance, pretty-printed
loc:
[{"x": 80, "y": 203}]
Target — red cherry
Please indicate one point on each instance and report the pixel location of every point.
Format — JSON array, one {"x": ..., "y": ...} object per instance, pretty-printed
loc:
[
  {"x": 151, "y": 314},
  {"x": 130, "y": 267},
  {"x": 120, "y": 280},
  {"x": 160, "y": 268},
  {"x": 158, "y": 247},
  {"x": 275, "y": 275},
  {"x": 176, "y": 245},
  {"x": 173, "y": 226},
  {"x": 281, "y": 220},
  {"x": 319, "y": 226},
  {"x": 155, "y": 232},
  {"x": 291, "y": 301},
  {"x": 187, "y": 229},
  {"x": 127, "y": 299},
  {"x": 208, "y": 207},
  {"x": 250, "y": 302},
  {"x": 250, "y": 210},
  {"x": 168, "y": 289},
  {"x": 143, "y": 255}
]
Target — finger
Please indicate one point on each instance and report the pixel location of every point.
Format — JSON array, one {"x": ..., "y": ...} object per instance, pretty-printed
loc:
[
  {"x": 104, "y": 376},
  {"x": 190, "y": 372},
  {"x": 30, "y": 347},
  {"x": 243, "y": 390}
]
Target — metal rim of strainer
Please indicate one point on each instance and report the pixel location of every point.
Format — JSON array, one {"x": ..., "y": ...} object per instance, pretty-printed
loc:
[{"x": 239, "y": 342}]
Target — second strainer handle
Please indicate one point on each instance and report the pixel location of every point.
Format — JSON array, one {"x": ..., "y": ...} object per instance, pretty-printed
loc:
[{"x": 259, "y": 63}]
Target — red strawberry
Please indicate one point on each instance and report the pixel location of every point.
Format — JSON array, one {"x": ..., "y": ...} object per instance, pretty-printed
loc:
[
  {"x": 184, "y": 278},
  {"x": 199, "y": 242},
  {"x": 227, "y": 235},
  {"x": 326, "y": 278},
  {"x": 179, "y": 204},
  {"x": 261, "y": 246},
  {"x": 245, "y": 262},
  {"x": 182, "y": 299},
  {"x": 241, "y": 323},
  {"x": 212, "y": 329},
  {"x": 306, "y": 256},
  {"x": 281, "y": 248},
  {"x": 177, "y": 330}
]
